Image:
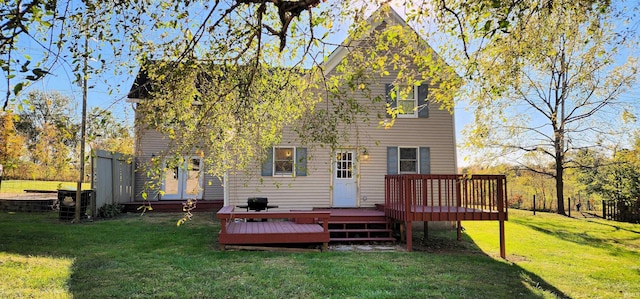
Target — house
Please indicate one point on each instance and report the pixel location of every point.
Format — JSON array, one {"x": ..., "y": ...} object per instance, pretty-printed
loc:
[
  {"x": 421, "y": 141},
  {"x": 369, "y": 165}
]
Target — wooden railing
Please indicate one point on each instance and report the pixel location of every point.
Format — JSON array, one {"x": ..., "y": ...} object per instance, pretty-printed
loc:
[{"x": 407, "y": 195}]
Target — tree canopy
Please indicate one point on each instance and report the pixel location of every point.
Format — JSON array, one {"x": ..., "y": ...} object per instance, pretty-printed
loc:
[
  {"x": 553, "y": 87},
  {"x": 256, "y": 51}
]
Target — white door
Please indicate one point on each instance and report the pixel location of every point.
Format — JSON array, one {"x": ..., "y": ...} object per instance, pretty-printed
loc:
[
  {"x": 345, "y": 188},
  {"x": 183, "y": 181}
]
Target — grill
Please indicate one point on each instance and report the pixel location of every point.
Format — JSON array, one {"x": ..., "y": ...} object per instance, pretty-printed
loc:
[{"x": 258, "y": 203}]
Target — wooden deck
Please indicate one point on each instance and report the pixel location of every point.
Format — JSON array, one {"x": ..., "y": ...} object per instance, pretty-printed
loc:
[
  {"x": 416, "y": 197},
  {"x": 408, "y": 198},
  {"x": 293, "y": 227}
]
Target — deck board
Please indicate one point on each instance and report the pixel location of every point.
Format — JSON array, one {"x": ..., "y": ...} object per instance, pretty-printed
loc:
[
  {"x": 235, "y": 230},
  {"x": 272, "y": 228}
]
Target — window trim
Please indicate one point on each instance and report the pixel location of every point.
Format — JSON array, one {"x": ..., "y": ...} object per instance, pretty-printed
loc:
[
  {"x": 414, "y": 113},
  {"x": 417, "y": 159},
  {"x": 293, "y": 162}
]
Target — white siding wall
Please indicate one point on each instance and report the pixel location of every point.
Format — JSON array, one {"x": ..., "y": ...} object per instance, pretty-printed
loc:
[
  {"x": 150, "y": 142},
  {"x": 314, "y": 190},
  {"x": 436, "y": 132},
  {"x": 300, "y": 192}
]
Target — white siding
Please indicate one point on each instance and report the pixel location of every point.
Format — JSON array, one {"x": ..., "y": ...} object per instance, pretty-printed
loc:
[
  {"x": 436, "y": 132},
  {"x": 151, "y": 142},
  {"x": 314, "y": 190},
  {"x": 300, "y": 192}
]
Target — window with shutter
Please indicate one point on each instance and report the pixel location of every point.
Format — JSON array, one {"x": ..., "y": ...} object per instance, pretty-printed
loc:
[
  {"x": 408, "y": 160},
  {"x": 285, "y": 161},
  {"x": 409, "y": 102}
]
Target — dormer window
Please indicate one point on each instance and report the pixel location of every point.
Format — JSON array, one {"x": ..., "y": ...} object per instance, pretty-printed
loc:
[{"x": 407, "y": 101}]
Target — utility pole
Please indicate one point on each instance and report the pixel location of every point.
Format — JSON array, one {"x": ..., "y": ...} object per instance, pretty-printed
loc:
[{"x": 83, "y": 131}]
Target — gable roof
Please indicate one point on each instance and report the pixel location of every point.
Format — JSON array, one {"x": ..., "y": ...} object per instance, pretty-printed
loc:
[{"x": 391, "y": 16}]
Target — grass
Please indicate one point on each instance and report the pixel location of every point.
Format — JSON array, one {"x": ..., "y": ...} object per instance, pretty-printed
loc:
[
  {"x": 149, "y": 257},
  {"x": 18, "y": 186},
  {"x": 584, "y": 257}
]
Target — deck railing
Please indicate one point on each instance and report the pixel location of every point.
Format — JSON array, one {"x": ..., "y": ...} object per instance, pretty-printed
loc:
[{"x": 409, "y": 194}]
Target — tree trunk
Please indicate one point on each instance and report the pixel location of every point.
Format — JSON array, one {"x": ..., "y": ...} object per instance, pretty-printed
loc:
[{"x": 560, "y": 183}]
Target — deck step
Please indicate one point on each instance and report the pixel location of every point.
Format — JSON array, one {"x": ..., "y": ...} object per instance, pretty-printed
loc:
[
  {"x": 357, "y": 222},
  {"x": 363, "y": 230},
  {"x": 359, "y": 226},
  {"x": 385, "y": 239}
]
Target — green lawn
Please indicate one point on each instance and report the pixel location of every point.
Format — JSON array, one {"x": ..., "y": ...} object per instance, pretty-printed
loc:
[
  {"x": 18, "y": 186},
  {"x": 150, "y": 257}
]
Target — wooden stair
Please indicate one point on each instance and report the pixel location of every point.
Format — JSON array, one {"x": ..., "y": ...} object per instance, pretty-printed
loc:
[{"x": 359, "y": 225}]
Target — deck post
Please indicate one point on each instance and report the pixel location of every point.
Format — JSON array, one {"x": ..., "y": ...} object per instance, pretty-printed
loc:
[
  {"x": 503, "y": 251},
  {"x": 501, "y": 214},
  {"x": 409, "y": 236},
  {"x": 426, "y": 230},
  {"x": 459, "y": 230}
]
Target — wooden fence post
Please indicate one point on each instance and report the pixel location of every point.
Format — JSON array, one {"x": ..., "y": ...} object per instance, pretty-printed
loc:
[{"x": 534, "y": 204}]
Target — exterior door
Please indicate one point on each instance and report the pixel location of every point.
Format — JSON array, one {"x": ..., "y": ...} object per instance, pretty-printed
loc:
[
  {"x": 345, "y": 187},
  {"x": 183, "y": 181}
]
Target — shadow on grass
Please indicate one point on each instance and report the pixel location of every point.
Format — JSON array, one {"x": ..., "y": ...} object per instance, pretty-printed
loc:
[
  {"x": 617, "y": 227},
  {"x": 445, "y": 242},
  {"x": 580, "y": 238},
  {"x": 149, "y": 257}
]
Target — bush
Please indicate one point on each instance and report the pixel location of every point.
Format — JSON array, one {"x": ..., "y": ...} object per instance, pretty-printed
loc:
[
  {"x": 110, "y": 210},
  {"x": 515, "y": 202}
]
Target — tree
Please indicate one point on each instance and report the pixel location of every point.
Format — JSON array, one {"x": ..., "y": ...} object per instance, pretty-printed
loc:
[
  {"x": 613, "y": 178},
  {"x": 180, "y": 29},
  {"x": 50, "y": 132},
  {"x": 12, "y": 144},
  {"x": 256, "y": 43},
  {"x": 105, "y": 132},
  {"x": 552, "y": 87}
]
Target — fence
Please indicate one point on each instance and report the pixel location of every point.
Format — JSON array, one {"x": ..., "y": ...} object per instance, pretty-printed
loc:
[
  {"x": 112, "y": 178},
  {"x": 625, "y": 211}
]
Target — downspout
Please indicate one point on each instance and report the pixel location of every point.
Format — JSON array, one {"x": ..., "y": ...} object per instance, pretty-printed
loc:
[
  {"x": 225, "y": 188},
  {"x": 455, "y": 143}
]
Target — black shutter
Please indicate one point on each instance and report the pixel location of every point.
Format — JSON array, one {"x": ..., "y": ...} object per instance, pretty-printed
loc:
[
  {"x": 390, "y": 101},
  {"x": 423, "y": 111},
  {"x": 425, "y": 160},
  {"x": 301, "y": 163},
  {"x": 267, "y": 165},
  {"x": 392, "y": 160}
]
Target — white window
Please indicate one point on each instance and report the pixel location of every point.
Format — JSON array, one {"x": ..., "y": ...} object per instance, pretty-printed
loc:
[
  {"x": 406, "y": 101},
  {"x": 283, "y": 160},
  {"x": 408, "y": 160}
]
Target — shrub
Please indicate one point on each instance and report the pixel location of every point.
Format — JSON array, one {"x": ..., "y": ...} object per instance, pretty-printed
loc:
[{"x": 110, "y": 210}]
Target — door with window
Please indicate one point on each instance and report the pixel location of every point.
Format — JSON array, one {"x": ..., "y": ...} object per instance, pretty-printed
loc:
[
  {"x": 345, "y": 187},
  {"x": 183, "y": 181}
]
